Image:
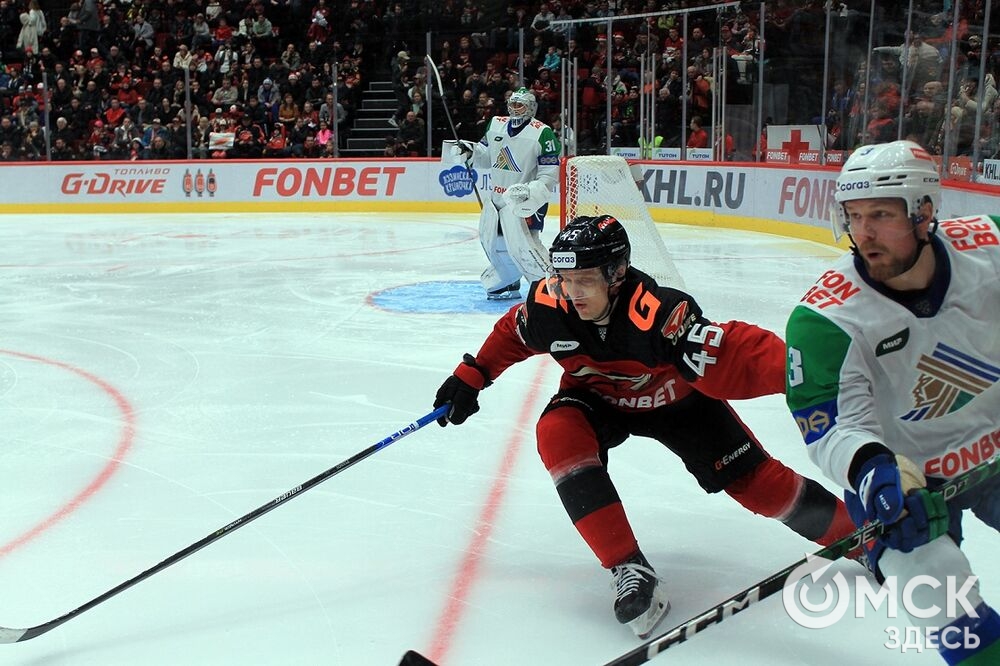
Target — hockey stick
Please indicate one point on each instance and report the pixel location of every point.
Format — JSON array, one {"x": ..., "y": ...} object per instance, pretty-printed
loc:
[
  {"x": 776, "y": 582},
  {"x": 18, "y": 635},
  {"x": 454, "y": 132},
  {"x": 414, "y": 658}
]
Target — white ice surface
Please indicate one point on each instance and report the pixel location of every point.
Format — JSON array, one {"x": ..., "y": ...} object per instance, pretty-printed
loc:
[{"x": 161, "y": 376}]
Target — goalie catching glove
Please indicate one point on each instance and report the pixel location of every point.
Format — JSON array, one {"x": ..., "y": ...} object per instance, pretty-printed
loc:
[
  {"x": 526, "y": 198},
  {"x": 460, "y": 152},
  {"x": 461, "y": 390},
  {"x": 894, "y": 491}
]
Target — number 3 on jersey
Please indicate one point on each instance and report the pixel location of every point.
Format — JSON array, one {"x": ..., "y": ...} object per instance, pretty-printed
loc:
[
  {"x": 794, "y": 367},
  {"x": 706, "y": 336}
]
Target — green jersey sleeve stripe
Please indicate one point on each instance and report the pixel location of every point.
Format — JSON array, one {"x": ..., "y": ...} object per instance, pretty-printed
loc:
[{"x": 817, "y": 348}]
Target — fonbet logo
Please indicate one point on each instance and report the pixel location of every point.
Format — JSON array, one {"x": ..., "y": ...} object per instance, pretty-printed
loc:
[{"x": 564, "y": 259}]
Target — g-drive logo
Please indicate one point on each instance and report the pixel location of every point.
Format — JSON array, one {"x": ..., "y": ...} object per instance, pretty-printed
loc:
[{"x": 564, "y": 259}]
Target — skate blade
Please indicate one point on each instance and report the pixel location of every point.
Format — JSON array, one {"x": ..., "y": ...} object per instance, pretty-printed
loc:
[{"x": 644, "y": 625}]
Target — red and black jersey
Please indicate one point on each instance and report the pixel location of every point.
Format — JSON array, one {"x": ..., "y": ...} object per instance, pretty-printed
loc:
[{"x": 656, "y": 348}]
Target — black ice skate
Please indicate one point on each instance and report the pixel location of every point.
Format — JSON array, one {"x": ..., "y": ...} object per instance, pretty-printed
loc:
[{"x": 641, "y": 602}]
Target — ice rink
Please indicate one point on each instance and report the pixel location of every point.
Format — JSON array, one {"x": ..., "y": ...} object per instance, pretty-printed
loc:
[{"x": 161, "y": 376}]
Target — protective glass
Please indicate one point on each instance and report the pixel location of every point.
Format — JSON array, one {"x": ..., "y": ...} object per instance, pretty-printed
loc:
[
  {"x": 577, "y": 284},
  {"x": 884, "y": 225}
]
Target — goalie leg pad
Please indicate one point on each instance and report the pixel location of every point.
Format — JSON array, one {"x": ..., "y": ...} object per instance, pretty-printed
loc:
[
  {"x": 523, "y": 246},
  {"x": 502, "y": 270}
]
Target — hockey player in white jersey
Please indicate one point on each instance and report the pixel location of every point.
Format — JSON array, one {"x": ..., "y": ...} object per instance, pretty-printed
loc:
[
  {"x": 522, "y": 156},
  {"x": 894, "y": 379}
]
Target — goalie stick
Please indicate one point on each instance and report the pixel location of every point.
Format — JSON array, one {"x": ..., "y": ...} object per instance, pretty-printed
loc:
[
  {"x": 18, "y": 635},
  {"x": 447, "y": 114},
  {"x": 776, "y": 582}
]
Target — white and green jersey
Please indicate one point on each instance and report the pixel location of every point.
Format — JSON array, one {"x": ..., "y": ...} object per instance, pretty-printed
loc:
[
  {"x": 864, "y": 367},
  {"x": 516, "y": 155}
]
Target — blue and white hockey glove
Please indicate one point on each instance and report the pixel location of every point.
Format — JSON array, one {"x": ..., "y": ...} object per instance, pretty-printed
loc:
[
  {"x": 880, "y": 488},
  {"x": 912, "y": 514}
]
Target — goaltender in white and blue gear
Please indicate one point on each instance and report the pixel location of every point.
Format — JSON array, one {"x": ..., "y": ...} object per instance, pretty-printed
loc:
[
  {"x": 894, "y": 380},
  {"x": 522, "y": 156}
]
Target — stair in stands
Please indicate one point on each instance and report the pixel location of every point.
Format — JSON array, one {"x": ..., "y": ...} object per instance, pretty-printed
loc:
[{"x": 371, "y": 122}]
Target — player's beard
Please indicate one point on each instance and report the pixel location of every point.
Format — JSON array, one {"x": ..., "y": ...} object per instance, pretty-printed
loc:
[{"x": 888, "y": 266}]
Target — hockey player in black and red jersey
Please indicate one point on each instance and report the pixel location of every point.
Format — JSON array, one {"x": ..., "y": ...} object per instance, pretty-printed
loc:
[{"x": 640, "y": 359}]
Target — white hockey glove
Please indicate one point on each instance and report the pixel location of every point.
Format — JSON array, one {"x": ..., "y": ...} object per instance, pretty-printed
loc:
[
  {"x": 517, "y": 194},
  {"x": 526, "y": 198},
  {"x": 458, "y": 152}
]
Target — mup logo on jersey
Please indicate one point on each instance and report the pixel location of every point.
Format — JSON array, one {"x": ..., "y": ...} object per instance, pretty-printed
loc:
[{"x": 948, "y": 380}]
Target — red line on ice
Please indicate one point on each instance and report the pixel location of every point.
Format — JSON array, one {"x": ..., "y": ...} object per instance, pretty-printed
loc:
[
  {"x": 124, "y": 444},
  {"x": 447, "y": 624}
]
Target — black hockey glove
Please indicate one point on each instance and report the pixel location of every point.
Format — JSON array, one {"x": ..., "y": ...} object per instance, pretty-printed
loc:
[{"x": 462, "y": 391}]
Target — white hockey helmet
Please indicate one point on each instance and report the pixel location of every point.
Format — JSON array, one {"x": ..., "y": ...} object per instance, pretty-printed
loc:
[
  {"x": 522, "y": 106},
  {"x": 896, "y": 170}
]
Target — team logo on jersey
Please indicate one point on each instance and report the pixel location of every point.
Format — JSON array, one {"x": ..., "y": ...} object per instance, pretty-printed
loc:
[
  {"x": 505, "y": 161},
  {"x": 638, "y": 381},
  {"x": 949, "y": 380},
  {"x": 676, "y": 323}
]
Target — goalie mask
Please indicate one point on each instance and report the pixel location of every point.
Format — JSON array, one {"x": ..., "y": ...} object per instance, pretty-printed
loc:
[
  {"x": 589, "y": 242},
  {"x": 521, "y": 107}
]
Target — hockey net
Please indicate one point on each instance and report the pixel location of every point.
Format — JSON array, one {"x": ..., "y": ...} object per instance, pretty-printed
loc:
[{"x": 606, "y": 185}]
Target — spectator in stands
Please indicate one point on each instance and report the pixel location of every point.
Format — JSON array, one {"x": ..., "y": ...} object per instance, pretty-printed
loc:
[
  {"x": 269, "y": 98},
  {"x": 114, "y": 114},
  {"x": 98, "y": 144},
  {"x": 698, "y": 137},
  {"x": 159, "y": 149},
  {"x": 291, "y": 58},
  {"x": 33, "y": 141},
  {"x": 413, "y": 134},
  {"x": 288, "y": 111},
  {"x": 225, "y": 95},
  {"x": 400, "y": 84},
  {"x": 123, "y": 137},
  {"x": 7, "y": 153},
  {"x": 227, "y": 58},
  {"x": 552, "y": 59},
  {"x": 324, "y": 134},
  {"x": 541, "y": 24},
  {"x": 88, "y": 24},
  {"x": 33, "y": 26},
  {"x": 154, "y": 130},
  {"x": 699, "y": 94},
  {"x": 257, "y": 112},
  {"x": 182, "y": 58},
  {"x": 921, "y": 61},
  {"x": 310, "y": 149},
  {"x": 201, "y": 33},
  {"x": 262, "y": 33},
  {"x": 177, "y": 137},
  {"x": 142, "y": 33},
  {"x": 62, "y": 130},
  {"x": 61, "y": 151},
  {"x": 10, "y": 132}
]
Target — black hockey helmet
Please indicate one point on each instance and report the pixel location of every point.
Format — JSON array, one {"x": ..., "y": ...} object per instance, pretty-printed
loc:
[{"x": 591, "y": 242}]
